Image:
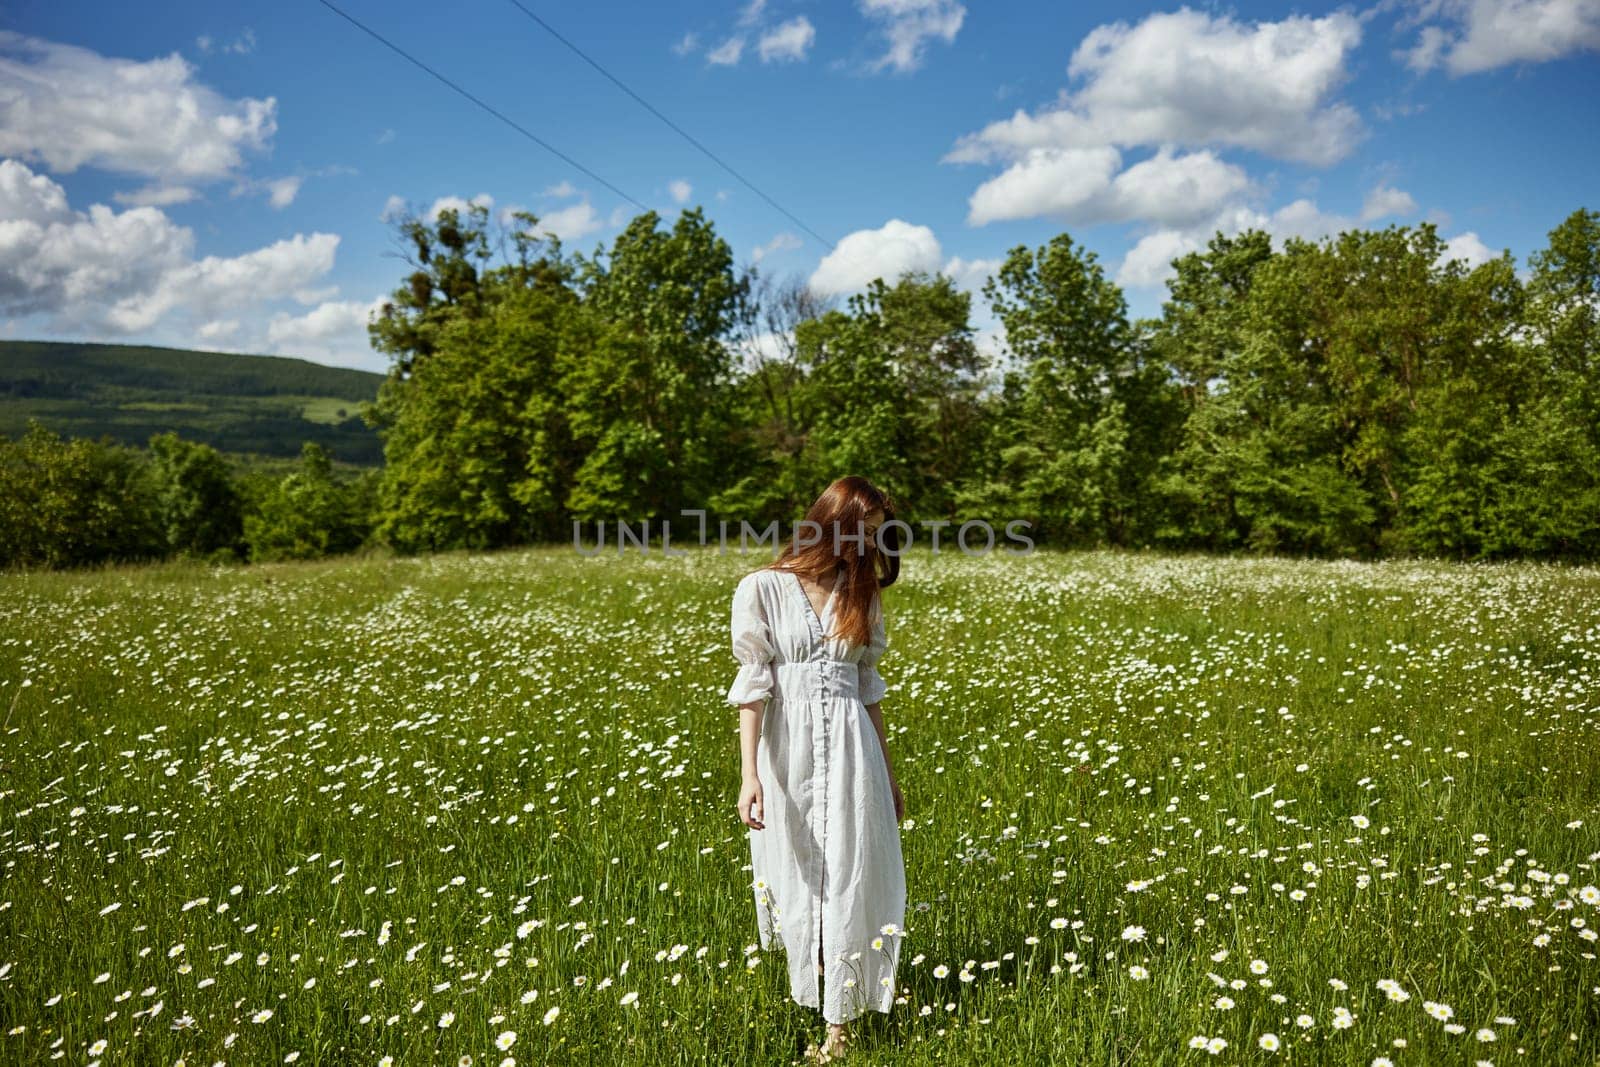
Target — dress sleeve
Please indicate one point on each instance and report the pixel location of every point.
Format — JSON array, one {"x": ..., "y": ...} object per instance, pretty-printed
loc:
[
  {"x": 752, "y": 646},
  {"x": 871, "y": 683}
]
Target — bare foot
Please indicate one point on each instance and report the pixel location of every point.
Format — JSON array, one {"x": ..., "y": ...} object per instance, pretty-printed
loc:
[{"x": 837, "y": 1043}]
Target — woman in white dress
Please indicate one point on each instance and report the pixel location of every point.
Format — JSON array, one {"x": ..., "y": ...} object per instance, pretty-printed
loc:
[{"x": 819, "y": 792}]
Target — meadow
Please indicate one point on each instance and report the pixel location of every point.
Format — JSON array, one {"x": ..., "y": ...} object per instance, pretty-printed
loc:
[{"x": 481, "y": 809}]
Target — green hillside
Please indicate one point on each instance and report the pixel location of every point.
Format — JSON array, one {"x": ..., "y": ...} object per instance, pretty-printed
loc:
[{"x": 261, "y": 405}]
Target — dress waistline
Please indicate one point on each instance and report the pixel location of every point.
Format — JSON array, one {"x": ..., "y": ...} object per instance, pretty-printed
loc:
[{"x": 818, "y": 679}]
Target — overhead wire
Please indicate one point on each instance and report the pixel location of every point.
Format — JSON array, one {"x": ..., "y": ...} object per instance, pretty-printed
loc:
[
  {"x": 536, "y": 139},
  {"x": 679, "y": 129}
]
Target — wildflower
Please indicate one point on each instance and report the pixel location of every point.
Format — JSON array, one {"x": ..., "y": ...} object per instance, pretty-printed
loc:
[{"x": 1268, "y": 1042}]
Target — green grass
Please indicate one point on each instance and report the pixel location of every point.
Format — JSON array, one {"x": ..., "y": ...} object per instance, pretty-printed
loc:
[{"x": 365, "y": 793}]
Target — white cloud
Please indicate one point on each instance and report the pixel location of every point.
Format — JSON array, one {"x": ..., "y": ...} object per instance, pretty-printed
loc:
[
  {"x": 110, "y": 273},
  {"x": 970, "y": 274},
  {"x": 727, "y": 53},
  {"x": 1384, "y": 201},
  {"x": 1469, "y": 248},
  {"x": 1188, "y": 79},
  {"x": 459, "y": 205},
  {"x": 571, "y": 222},
  {"x": 782, "y": 242},
  {"x": 752, "y": 12},
  {"x": 1148, "y": 263},
  {"x": 282, "y": 191},
  {"x": 1479, "y": 35},
  {"x": 681, "y": 191},
  {"x": 157, "y": 195},
  {"x": 788, "y": 41},
  {"x": 69, "y": 107},
  {"x": 241, "y": 45},
  {"x": 393, "y": 208},
  {"x": 887, "y": 252},
  {"x": 218, "y": 330},
  {"x": 686, "y": 44},
  {"x": 325, "y": 322},
  {"x": 1083, "y": 185},
  {"x": 910, "y": 25},
  {"x": 561, "y": 188}
]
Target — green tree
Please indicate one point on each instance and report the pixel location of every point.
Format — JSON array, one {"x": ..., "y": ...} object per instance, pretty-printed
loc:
[
  {"x": 77, "y": 502},
  {"x": 645, "y": 372},
  {"x": 307, "y": 514},
  {"x": 197, "y": 505},
  {"x": 1062, "y": 449}
]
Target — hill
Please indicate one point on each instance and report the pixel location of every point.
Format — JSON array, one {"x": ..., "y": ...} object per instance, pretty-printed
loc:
[{"x": 259, "y": 405}]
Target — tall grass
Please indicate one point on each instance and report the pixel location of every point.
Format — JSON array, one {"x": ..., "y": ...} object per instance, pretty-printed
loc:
[{"x": 410, "y": 807}]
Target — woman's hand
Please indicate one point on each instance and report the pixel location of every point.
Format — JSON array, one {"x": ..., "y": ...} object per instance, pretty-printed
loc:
[
  {"x": 899, "y": 801},
  {"x": 750, "y": 803}
]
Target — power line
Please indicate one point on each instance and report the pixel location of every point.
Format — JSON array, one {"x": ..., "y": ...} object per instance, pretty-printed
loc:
[
  {"x": 680, "y": 130},
  {"x": 547, "y": 146}
]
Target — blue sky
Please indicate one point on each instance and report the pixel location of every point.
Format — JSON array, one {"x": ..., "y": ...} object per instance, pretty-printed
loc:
[{"x": 217, "y": 175}]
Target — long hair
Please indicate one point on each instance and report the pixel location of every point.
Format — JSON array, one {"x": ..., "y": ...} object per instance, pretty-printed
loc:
[{"x": 847, "y": 503}]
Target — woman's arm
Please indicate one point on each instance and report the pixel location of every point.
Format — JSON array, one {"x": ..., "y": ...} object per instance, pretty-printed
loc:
[
  {"x": 875, "y": 711},
  {"x": 751, "y": 797},
  {"x": 750, "y": 716}
]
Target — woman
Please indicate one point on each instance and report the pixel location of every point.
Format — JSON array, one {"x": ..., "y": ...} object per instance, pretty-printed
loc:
[{"x": 819, "y": 792}]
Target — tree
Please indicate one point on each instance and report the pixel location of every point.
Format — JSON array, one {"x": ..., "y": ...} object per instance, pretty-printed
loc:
[
  {"x": 70, "y": 503},
  {"x": 197, "y": 505},
  {"x": 1063, "y": 444},
  {"x": 644, "y": 372},
  {"x": 307, "y": 514}
]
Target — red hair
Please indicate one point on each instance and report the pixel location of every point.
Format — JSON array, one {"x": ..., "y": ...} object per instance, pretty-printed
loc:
[{"x": 847, "y": 503}]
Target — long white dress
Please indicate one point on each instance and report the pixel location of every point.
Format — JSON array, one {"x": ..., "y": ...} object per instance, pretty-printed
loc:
[{"x": 827, "y": 868}]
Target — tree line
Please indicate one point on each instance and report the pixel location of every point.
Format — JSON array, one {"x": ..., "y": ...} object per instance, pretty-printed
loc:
[{"x": 1361, "y": 396}]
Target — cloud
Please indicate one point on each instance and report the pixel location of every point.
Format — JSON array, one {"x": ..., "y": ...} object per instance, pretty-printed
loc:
[
  {"x": 68, "y": 107},
  {"x": 970, "y": 274},
  {"x": 393, "y": 208},
  {"x": 887, "y": 252},
  {"x": 788, "y": 41},
  {"x": 1469, "y": 248},
  {"x": 156, "y": 196},
  {"x": 1083, "y": 185},
  {"x": 1148, "y": 263},
  {"x": 241, "y": 45},
  {"x": 571, "y": 222},
  {"x": 686, "y": 44},
  {"x": 459, "y": 205},
  {"x": 782, "y": 242},
  {"x": 1384, "y": 201},
  {"x": 1478, "y": 35},
  {"x": 1191, "y": 79},
  {"x": 752, "y": 12},
  {"x": 910, "y": 25},
  {"x": 727, "y": 53},
  {"x": 323, "y": 323},
  {"x": 117, "y": 273},
  {"x": 218, "y": 330},
  {"x": 681, "y": 191}
]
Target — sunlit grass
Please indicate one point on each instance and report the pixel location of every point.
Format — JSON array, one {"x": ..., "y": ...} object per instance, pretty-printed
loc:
[{"x": 1158, "y": 810}]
